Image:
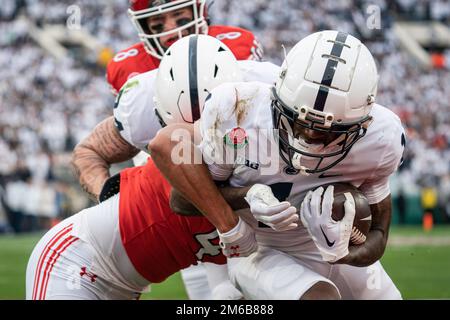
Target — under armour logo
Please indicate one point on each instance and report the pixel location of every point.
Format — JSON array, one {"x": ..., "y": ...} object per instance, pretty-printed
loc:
[
  {"x": 89, "y": 274},
  {"x": 235, "y": 251}
]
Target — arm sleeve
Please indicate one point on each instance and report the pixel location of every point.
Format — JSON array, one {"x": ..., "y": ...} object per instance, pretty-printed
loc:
[
  {"x": 134, "y": 113},
  {"x": 377, "y": 187},
  {"x": 217, "y": 119}
]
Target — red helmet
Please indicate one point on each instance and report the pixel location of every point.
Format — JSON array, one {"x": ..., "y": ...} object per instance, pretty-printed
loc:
[{"x": 141, "y": 10}]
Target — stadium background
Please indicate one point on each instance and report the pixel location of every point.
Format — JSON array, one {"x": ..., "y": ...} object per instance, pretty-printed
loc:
[{"x": 53, "y": 92}]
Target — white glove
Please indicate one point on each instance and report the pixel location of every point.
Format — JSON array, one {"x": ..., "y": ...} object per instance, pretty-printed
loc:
[
  {"x": 239, "y": 241},
  {"x": 331, "y": 237},
  {"x": 280, "y": 216}
]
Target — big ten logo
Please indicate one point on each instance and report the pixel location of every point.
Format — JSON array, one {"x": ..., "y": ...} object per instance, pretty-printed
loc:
[
  {"x": 74, "y": 20},
  {"x": 373, "y": 20},
  {"x": 374, "y": 278},
  {"x": 74, "y": 280}
]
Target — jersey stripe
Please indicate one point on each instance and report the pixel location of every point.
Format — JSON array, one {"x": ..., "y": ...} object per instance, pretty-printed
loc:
[
  {"x": 51, "y": 263},
  {"x": 44, "y": 253},
  {"x": 193, "y": 80},
  {"x": 329, "y": 72}
]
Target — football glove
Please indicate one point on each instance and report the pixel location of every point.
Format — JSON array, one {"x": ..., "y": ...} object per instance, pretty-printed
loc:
[
  {"x": 280, "y": 216},
  {"x": 330, "y": 237},
  {"x": 239, "y": 241}
]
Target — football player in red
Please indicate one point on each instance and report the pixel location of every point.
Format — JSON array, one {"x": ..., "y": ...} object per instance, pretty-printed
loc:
[
  {"x": 114, "y": 250},
  {"x": 162, "y": 22},
  {"x": 159, "y": 24}
]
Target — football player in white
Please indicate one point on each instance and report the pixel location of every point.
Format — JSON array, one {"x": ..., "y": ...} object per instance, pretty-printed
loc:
[
  {"x": 138, "y": 116},
  {"x": 322, "y": 120}
]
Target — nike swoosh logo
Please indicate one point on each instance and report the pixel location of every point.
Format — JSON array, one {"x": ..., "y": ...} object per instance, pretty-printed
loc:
[
  {"x": 366, "y": 218},
  {"x": 330, "y": 244},
  {"x": 323, "y": 175}
]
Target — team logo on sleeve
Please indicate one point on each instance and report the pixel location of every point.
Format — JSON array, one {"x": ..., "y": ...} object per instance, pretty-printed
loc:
[
  {"x": 236, "y": 138},
  {"x": 129, "y": 85}
]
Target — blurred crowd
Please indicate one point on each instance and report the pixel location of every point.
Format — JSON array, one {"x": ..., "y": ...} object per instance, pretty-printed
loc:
[{"x": 48, "y": 105}]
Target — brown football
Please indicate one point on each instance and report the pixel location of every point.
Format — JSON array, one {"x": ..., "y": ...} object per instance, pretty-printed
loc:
[{"x": 363, "y": 216}]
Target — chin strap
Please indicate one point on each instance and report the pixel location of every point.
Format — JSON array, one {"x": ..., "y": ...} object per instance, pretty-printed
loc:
[{"x": 297, "y": 164}]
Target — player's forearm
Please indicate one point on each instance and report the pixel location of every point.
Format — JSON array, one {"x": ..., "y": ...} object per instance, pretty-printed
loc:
[
  {"x": 193, "y": 181},
  {"x": 368, "y": 253},
  {"x": 233, "y": 196},
  {"x": 93, "y": 156},
  {"x": 91, "y": 170},
  {"x": 373, "y": 248},
  {"x": 195, "y": 184}
]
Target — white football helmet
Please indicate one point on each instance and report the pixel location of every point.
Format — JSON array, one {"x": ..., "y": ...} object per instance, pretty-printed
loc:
[
  {"x": 141, "y": 10},
  {"x": 189, "y": 70},
  {"x": 322, "y": 100}
]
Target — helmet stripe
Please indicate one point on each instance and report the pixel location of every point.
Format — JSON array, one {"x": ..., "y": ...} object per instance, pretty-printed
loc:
[
  {"x": 321, "y": 98},
  {"x": 330, "y": 70},
  {"x": 193, "y": 79}
]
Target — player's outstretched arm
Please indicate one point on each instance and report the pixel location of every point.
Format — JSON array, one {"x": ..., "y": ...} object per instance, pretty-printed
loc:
[
  {"x": 373, "y": 248},
  {"x": 93, "y": 156},
  {"x": 192, "y": 180}
]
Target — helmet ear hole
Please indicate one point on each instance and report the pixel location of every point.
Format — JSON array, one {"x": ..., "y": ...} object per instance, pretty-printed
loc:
[
  {"x": 171, "y": 74},
  {"x": 216, "y": 69}
]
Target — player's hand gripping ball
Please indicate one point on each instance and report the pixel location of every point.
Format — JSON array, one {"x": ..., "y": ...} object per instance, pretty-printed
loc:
[
  {"x": 363, "y": 216},
  {"x": 336, "y": 216}
]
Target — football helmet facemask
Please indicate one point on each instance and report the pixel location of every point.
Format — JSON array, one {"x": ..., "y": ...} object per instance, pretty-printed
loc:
[
  {"x": 322, "y": 100},
  {"x": 141, "y": 10}
]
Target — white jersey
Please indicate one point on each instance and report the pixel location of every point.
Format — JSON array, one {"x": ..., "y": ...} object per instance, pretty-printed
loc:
[
  {"x": 134, "y": 109},
  {"x": 367, "y": 166}
]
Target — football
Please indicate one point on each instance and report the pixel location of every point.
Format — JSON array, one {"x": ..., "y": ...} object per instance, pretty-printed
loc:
[{"x": 363, "y": 216}]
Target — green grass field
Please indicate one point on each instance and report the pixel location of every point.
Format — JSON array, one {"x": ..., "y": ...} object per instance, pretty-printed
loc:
[{"x": 420, "y": 271}]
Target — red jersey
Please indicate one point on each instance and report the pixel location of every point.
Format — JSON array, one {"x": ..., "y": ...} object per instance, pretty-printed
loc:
[
  {"x": 158, "y": 241},
  {"x": 135, "y": 60}
]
